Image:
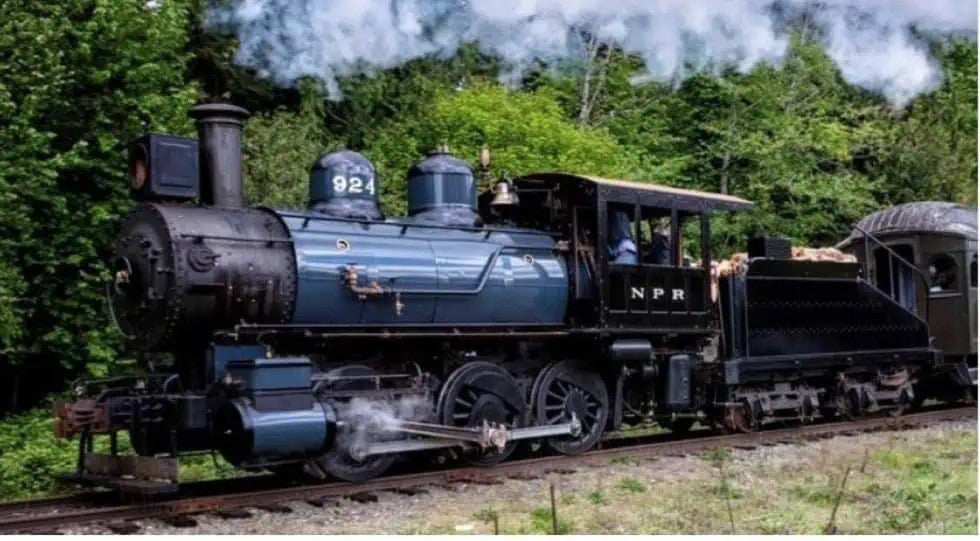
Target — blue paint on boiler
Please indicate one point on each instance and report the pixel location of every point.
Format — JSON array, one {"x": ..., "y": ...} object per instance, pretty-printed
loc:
[{"x": 446, "y": 275}]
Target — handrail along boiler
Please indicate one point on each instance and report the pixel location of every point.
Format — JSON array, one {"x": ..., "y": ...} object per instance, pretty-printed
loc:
[{"x": 551, "y": 308}]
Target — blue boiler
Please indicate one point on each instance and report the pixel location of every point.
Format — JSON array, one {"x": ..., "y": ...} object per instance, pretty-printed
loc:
[{"x": 431, "y": 274}]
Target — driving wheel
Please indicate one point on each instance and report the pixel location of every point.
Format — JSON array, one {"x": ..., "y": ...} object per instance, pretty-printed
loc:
[
  {"x": 564, "y": 389},
  {"x": 479, "y": 392}
]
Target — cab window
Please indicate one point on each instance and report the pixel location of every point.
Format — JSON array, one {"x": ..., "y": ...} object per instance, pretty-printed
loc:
[
  {"x": 621, "y": 235},
  {"x": 656, "y": 240},
  {"x": 943, "y": 276}
]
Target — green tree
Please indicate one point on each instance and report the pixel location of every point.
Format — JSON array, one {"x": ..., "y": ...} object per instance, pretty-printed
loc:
[
  {"x": 930, "y": 152},
  {"x": 373, "y": 101},
  {"x": 599, "y": 90},
  {"x": 786, "y": 138},
  {"x": 526, "y": 132},
  {"x": 78, "y": 80},
  {"x": 280, "y": 148}
]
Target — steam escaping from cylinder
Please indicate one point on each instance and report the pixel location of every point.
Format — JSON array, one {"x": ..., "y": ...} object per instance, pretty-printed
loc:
[
  {"x": 372, "y": 420},
  {"x": 879, "y": 45}
]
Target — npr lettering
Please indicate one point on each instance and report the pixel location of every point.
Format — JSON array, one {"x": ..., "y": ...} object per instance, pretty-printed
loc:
[{"x": 640, "y": 293}]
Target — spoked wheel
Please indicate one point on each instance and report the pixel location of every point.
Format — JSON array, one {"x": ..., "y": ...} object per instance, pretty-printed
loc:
[
  {"x": 563, "y": 389},
  {"x": 337, "y": 462},
  {"x": 479, "y": 392}
]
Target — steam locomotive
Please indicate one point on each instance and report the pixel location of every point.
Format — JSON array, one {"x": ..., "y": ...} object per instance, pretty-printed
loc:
[{"x": 549, "y": 310}]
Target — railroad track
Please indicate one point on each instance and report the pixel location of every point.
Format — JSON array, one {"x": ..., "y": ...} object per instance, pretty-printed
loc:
[{"x": 84, "y": 509}]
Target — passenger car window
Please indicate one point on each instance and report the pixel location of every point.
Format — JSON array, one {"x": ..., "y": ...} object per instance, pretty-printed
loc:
[{"x": 942, "y": 273}]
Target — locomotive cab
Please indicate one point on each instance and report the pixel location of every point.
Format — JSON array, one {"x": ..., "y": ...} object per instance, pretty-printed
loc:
[{"x": 640, "y": 258}]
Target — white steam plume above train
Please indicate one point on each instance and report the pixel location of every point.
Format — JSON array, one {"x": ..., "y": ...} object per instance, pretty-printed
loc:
[{"x": 877, "y": 44}]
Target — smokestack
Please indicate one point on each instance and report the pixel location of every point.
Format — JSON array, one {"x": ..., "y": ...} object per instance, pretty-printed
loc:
[{"x": 219, "y": 134}]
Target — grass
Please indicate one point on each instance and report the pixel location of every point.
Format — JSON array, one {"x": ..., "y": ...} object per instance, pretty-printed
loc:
[
  {"x": 632, "y": 485},
  {"x": 541, "y": 523},
  {"x": 919, "y": 484},
  {"x": 31, "y": 457}
]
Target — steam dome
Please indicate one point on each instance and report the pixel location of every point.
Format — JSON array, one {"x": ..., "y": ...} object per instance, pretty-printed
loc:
[
  {"x": 343, "y": 184},
  {"x": 442, "y": 190}
]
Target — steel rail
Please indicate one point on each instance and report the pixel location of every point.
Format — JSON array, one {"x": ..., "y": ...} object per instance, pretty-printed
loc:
[{"x": 23, "y": 523}]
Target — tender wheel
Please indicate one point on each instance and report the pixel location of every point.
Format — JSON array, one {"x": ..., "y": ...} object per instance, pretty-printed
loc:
[
  {"x": 480, "y": 391},
  {"x": 807, "y": 410},
  {"x": 904, "y": 404},
  {"x": 745, "y": 417},
  {"x": 338, "y": 463},
  {"x": 737, "y": 419},
  {"x": 849, "y": 404},
  {"x": 563, "y": 389}
]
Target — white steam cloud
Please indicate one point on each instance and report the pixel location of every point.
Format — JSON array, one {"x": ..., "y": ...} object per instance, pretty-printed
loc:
[
  {"x": 876, "y": 43},
  {"x": 368, "y": 421}
]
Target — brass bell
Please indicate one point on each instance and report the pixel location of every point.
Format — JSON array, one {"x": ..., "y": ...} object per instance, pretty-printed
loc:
[{"x": 504, "y": 195}]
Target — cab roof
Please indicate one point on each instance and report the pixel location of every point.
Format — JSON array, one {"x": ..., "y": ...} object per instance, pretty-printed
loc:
[{"x": 645, "y": 193}]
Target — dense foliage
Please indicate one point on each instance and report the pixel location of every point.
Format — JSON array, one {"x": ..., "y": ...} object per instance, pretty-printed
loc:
[
  {"x": 78, "y": 80},
  {"x": 81, "y": 78}
]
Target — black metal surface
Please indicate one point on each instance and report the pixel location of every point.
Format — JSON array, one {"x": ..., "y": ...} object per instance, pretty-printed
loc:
[
  {"x": 631, "y": 350},
  {"x": 680, "y": 372},
  {"x": 219, "y": 129},
  {"x": 768, "y": 246},
  {"x": 656, "y": 296},
  {"x": 819, "y": 316},
  {"x": 778, "y": 323},
  {"x": 186, "y": 276},
  {"x": 774, "y": 268},
  {"x": 163, "y": 167}
]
